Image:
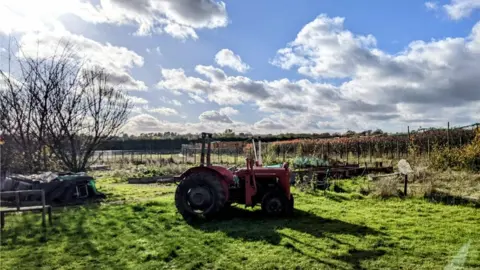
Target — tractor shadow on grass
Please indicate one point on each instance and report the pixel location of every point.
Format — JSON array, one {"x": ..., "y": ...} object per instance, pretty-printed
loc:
[{"x": 255, "y": 226}]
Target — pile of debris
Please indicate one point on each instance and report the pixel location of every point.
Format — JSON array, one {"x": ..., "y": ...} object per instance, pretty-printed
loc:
[{"x": 59, "y": 188}]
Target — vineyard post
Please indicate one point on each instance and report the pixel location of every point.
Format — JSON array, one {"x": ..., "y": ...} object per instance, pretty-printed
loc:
[
  {"x": 358, "y": 153},
  {"x": 428, "y": 148},
  {"x": 370, "y": 149},
  {"x": 408, "y": 142},
  {"x": 392, "y": 151},
  {"x": 195, "y": 155},
  {"x": 328, "y": 149},
  {"x": 236, "y": 153},
  {"x": 398, "y": 155},
  {"x": 346, "y": 151},
  {"x": 448, "y": 135}
]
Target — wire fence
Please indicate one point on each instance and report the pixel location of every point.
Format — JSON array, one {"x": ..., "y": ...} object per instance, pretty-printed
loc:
[{"x": 353, "y": 150}]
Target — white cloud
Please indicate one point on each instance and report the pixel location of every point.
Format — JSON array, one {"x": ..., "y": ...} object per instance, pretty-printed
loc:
[
  {"x": 137, "y": 100},
  {"x": 164, "y": 111},
  {"x": 379, "y": 88},
  {"x": 269, "y": 124},
  {"x": 458, "y": 9},
  {"x": 212, "y": 73},
  {"x": 214, "y": 116},
  {"x": 117, "y": 61},
  {"x": 431, "y": 5},
  {"x": 226, "y": 58},
  {"x": 180, "y": 19},
  {"x": 228, "y": 111},
  {"x": 323, "y": 49},
  {"x": 196, "y": 98},
  {"x": 176, "y": 102}
]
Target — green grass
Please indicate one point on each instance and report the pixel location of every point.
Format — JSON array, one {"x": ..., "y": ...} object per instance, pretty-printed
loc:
[{"x": 336, "y": 231}]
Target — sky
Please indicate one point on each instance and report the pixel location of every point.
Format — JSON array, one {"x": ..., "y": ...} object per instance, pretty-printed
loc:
[{"x": 269, "y": 67}]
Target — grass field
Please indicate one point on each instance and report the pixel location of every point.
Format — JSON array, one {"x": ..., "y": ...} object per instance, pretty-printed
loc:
[{"x": 138, "y": 228}]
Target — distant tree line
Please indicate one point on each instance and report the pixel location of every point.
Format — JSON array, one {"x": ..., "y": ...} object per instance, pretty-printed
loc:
[{"x": 174, "y": 141}]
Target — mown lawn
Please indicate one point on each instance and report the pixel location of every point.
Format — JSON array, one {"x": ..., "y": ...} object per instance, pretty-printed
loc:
[{"x": 138, "y": 228}]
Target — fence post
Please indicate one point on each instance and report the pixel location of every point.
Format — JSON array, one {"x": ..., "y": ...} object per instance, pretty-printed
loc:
[
  {"x": 405, "y": 185},
  {"x": 448, "y": 135},
  {"x": 428, "y": 148},
  {"x": 358, "y": 153},
  {"x": 328, "y": 149},
  {"x": 370, "y": 150},
  {"x": 398, "y": 154},
  {"x": 408, "y": 142},
  {"x": 346, "y": 151},
  {"x": 236, "y": 153}
]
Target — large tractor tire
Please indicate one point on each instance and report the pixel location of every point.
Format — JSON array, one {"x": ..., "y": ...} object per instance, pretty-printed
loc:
[
  {"x": 276, "y": 204},
  {"x": 200, "y": 195}
]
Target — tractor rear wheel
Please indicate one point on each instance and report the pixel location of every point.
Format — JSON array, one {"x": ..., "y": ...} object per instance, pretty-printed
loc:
[
  {"x": 275, "y": 204},
  {"x": 200, "y": 195}
]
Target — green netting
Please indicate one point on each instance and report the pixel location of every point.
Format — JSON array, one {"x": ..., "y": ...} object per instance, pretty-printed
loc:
[
  {"x": 301, "y": 162},
  {"x": 92, "y": 184},
  {"x": 274, "y": 166}
]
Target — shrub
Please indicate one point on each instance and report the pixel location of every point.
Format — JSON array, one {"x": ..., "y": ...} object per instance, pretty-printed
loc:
[
  {"x": 463, "y": 158},
  {"x": 386, "y": 187}
]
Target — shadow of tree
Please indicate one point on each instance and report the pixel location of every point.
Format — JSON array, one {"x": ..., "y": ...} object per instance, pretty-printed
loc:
[{"x": 254, "y": 226}]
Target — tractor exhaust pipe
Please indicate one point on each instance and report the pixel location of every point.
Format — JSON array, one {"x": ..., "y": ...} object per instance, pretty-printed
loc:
[
  {"x": 254, "y": 150},
  {"x": 202, "y": 154},
  {"x": 209, "y": 147},
  {"x": 260, "y": 161}
]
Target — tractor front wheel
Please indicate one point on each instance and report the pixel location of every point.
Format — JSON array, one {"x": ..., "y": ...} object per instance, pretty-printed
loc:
[
  {"x": 275, "y": 204},
  {"x": 199, "y": 195}
]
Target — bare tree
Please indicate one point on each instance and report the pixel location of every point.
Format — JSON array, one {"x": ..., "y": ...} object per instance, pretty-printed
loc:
[{"x": 63, "y": 106}]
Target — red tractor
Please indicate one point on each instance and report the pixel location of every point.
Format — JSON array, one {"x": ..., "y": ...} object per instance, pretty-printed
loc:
[{"x": 204, "y": 191}]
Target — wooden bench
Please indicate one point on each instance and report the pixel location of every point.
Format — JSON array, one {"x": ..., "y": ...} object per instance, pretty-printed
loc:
[{"x": 46, "y": 209}]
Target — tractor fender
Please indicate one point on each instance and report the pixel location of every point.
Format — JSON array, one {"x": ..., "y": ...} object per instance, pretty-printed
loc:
[{"x": 224, "y": 174}]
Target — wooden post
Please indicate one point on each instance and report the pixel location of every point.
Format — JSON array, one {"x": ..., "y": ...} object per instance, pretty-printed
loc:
[
  {"x": 43, "y": 209},
  {"x": 236, "y": 153},
  {"x": 328, "y": 149},
  {"x": 405, "y": 185},
  {"x": 398, "y": 155},
  {"x": 17, "y": 200},
  {"x": 370, "y": 150},
  {"x": 408, "y": 142},
  {"x": 358, "y": 153},
  {"x": 346, "y": 151},
  {"x": 194, "y": 155},
  {"x": 448, "y": 135}
]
